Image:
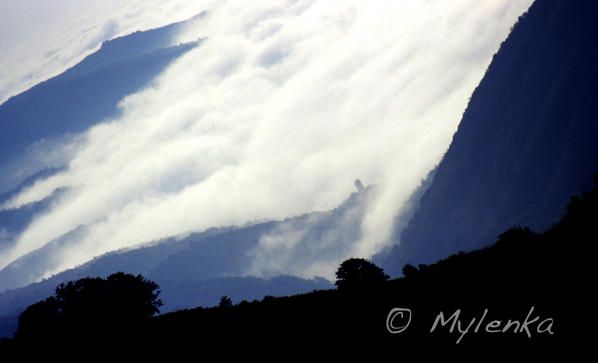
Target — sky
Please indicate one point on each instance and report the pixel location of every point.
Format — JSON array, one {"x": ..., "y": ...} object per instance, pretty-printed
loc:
[{"x": 275, "y": 114}]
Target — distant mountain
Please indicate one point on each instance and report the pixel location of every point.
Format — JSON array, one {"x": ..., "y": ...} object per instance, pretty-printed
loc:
[
  {"x": 85, "y": 94},
  {"x": 527, "y": 140},
  {"x": 131, "y": 46}
]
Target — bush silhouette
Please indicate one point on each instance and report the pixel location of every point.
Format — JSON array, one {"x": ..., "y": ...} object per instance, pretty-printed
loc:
[{"x": 358, "y": 273}]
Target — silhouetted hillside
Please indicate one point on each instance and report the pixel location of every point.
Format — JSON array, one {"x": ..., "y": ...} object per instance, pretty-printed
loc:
[
  {"x": 523, "y": 269},
  {"x": 527, "y": 141},
  {"x": 525, "y": 290}
]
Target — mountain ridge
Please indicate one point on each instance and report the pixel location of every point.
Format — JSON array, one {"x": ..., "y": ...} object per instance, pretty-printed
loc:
[{"x": 527, "y": 140}]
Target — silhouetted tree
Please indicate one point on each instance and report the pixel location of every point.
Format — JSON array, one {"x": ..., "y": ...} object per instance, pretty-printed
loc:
[
  {"x": 516, "y": 234},
  {"x": 39, "y": 320},
  {"x": 409, "y": 270},
  {"x": 91, "y": 305},
  {"x": 357, "y": 273},
  {"x": 225, "y": 302}
]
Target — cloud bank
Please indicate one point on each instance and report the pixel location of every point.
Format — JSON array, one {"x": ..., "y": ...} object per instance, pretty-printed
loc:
[{"x": 279, "y": 110}]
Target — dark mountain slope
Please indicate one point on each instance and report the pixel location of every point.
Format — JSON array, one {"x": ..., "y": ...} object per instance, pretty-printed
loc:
[{"x": 527, "y": 140}]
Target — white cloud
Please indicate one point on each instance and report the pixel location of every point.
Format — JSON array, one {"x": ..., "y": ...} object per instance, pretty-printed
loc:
[
  {"x": 275, "y": 114},
  {"x": 311, "y": 245}
]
